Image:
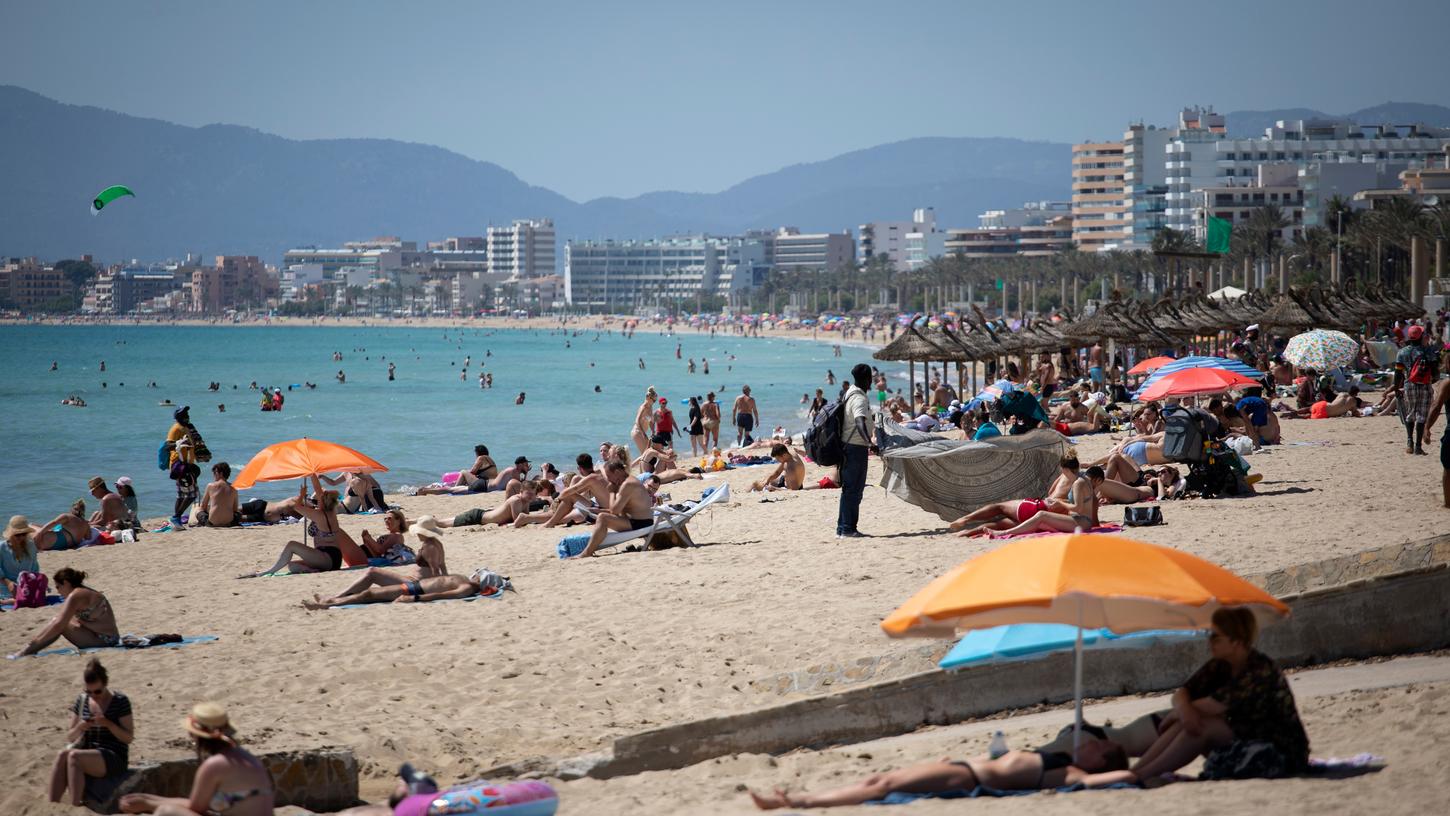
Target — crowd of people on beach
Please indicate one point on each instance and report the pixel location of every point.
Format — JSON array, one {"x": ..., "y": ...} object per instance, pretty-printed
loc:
[{"x": 1238, "y": 698}]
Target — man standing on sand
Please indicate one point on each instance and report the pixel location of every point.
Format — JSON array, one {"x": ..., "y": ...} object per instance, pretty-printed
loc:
[
  {"x": 1416, "y": 370},
  {"x": 747, "y": 417},
  {"x": 1442, "y": 395},
  {"x": 220, "y": 505},
  {"x": 632, "y": 508},
  {"x": 856, "y": 436},
  {"x": 710, "y": 411},
  {"x": 1097, "y": 365}
]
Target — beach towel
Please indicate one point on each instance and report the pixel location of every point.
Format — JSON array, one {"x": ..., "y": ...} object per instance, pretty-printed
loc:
[
  {"x": 497, "y": 596},
  {"x": 1105, "y": 528},
  {"x": 372, "y": 562},
  {"x": 186, "y": 641},
  {"x": 952, "y": 477},
  {"x": 572, "y": 545},
  {"x": 902, "y": 798}
]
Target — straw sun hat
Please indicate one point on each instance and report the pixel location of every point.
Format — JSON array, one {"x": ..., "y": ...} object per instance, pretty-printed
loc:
[
  {"x": 428, "y": 525},
  {"x": 208, "y": 721},
  {"x": 17, "y": 525}
]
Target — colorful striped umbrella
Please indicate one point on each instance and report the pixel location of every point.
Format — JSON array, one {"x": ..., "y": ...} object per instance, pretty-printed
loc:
[
  {"x": 1198, "y": 362},
  {"x": 1192, "y": 382}
]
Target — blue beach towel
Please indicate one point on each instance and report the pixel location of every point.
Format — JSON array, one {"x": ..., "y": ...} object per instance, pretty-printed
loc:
[
  {"x": 186, "y": 641},
  {"x": 572, "y": 545},
  {"x": 497, "y": 596}
]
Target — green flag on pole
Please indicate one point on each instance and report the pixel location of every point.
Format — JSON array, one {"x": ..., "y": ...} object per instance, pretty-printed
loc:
[{"x": 1219, "y": 231}]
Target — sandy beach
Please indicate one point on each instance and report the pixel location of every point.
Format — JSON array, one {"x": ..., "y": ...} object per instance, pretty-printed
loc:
[{"x": 590, "y": 651}]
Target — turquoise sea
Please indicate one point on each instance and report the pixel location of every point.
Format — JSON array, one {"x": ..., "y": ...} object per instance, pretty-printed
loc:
[{"x": 422, "y": 424}]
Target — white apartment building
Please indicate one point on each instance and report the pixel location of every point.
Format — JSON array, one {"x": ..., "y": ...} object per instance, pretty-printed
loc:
[
  {"x": 523, "y": 249},
  {"x": 826, "y": 251},
  {"x": 1275, "y": 185},
  {"x": 1323, "y": 180},
  {"x": 631, "y": 275},
  {"x": 1030, "y": 214},
  {"x": 1198, "y": 164},
  {"x": 889, "y": 238}
]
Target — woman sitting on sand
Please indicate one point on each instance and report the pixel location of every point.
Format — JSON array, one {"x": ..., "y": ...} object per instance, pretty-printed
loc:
[
  {"x": 85, "y": 619},
  {"x": 17, "y": 554},
  {"x": 1099, "y": 763},
  {"x": 99, "y": 737},
  {"x": 330, "y": 544},
  {"x": 390, "y": 545},
  {"x": 1238, "y": 700},
  {"x": 228, "y": 782},
  {"x": 363, "y": 491},
  {"x": 387, "y": 588}
]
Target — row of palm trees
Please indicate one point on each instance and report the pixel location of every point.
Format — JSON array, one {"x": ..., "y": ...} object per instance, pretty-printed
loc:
[{"x": 1373, "y": 247}]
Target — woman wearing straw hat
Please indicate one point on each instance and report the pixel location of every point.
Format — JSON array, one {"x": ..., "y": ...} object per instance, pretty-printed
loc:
[
  {"x": 228, "y": 782},
  {"x": 17, "y": 555}
]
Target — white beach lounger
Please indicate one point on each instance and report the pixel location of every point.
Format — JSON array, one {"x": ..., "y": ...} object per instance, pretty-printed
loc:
[{"x": 667, "y": 519}]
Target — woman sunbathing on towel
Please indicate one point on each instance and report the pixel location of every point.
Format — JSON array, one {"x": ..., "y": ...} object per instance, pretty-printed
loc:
[
  {"x": 384, "y": 587},
  {"x": 1080, "y": 515},
  {"x": 1001, "y": 515},
  {"x": 1113, "y": 491},
  {"x": 1099, "y": 763}
]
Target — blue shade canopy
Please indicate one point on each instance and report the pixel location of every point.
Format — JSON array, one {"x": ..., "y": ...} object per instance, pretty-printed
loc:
[
  {"x": 1024, "y": 641},
  {"x": 1200, "y": 362}
]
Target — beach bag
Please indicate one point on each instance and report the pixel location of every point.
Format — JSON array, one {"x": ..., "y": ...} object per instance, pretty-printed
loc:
[
  {"x": 1142, "y": 516},
  {"x": 1420, "y": 372},
  {"x": 824, "y": 441},
  {"x": 30, "y": 590}
]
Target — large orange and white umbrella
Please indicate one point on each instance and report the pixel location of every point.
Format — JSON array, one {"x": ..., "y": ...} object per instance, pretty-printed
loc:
[
  {"x": 300, "y": 458},
  {"x": 1191, "y": 382},
  {"x": 1084, "y": 580},
  {"x": 1150, "y": 365}
]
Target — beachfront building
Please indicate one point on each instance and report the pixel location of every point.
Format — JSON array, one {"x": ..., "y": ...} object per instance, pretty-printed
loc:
[
  {"x": 889, "y": 238},
  {"x": 122, "y": 289},
  {"x": 1098, "y": 210},
  {"x": 1145, "y": 184},
  {"x": 634, "y": 275},
  {"x": 1030, "y": 214},
  {"x": 817, "y": 250},
  {"x": 1275, "y": 185},
  {"x": 26, "y": 283},
  {"x": 1233, "y": 162},
  {"x": 233, "y": 281},
  {"x": 523, "y": 249},
  {"x": 1048, "y": 237},
  {"x": 1321, "y": 181}
]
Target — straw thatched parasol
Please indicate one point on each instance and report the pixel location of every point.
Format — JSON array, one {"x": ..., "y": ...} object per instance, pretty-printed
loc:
[
  {"x": 911, "y": 346},
  {"x": 1285, "y": 313}
]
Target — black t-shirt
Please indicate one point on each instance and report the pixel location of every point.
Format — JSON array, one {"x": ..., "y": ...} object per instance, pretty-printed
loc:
[
  {"x": 100, "y": 737},
  {"x": 695, "y": 427}
]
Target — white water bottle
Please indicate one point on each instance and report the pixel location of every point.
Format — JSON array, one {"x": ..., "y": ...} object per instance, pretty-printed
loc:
[{"x": 998, "y": 746}]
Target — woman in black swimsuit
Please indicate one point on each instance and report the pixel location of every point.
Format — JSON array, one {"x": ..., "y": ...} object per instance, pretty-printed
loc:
[
  {"x": 325, "y": 554},
  {"x": 696, "y": 428},
  {"x": 1100, "y": 763}
]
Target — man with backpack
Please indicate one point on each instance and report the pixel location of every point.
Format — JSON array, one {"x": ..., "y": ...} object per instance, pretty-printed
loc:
[
  {"x": 856, "y": 444},
  {"x": 1416, "y": 369}
]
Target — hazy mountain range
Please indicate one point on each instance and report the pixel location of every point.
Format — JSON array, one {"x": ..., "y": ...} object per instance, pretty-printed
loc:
[{"x": 225, "y": 189}]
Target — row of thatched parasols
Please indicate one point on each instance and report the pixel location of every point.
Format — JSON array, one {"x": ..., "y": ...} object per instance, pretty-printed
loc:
[{"x": 1164, "y": 323}]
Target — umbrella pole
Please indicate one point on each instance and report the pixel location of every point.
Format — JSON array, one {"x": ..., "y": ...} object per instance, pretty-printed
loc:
[{"x": 1077, "y": 687}]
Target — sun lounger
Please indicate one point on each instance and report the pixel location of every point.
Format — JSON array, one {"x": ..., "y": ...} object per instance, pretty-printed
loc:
[{"x": 667, "y": 519}]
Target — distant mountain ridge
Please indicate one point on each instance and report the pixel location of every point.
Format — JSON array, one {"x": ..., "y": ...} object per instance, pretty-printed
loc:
[
  {"x": 1244, "y": 124},
  {"x": 229, "y": 189}
]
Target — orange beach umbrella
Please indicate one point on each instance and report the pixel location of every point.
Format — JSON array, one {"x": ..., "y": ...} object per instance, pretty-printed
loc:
[
  {"x": 1083, "y": 580},
  {"x": 1150, "y": 365},
  {"x": 299, "y": 458}
]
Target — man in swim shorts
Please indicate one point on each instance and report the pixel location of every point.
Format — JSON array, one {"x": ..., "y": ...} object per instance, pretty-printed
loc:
[
  {"x": 632, "y": 508},
  {"x": 747, "y": 417}
]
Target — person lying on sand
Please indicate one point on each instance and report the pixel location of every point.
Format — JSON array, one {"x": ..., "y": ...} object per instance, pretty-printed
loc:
[
  {"x": 1080, "y": 516},
  {"x": 789, "y": 472},
  {"x": 420, "y": 590},
  {"x": 1002, "y": 515},
  {"x": 262, "y": 511},
  {"x": 1329, "y": 406},
  {"x": 506, "y": 513},
  {"x": 1099, "y": 763},
  {"x": 1112, "y": 491},
  {"x": 66, "y": 531},
  {"x": 1125, "y": 463}
]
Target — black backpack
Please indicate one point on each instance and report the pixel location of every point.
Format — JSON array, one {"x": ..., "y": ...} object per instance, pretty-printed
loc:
[
  {"x": 824, "y": 442},
  {"x": 1184, "y": 435}
]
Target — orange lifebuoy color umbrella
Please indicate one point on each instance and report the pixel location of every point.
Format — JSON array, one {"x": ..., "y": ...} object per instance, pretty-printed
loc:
[
  {"x": 299, "y": 458},
  {"x": 1194, "y": 381},
  {"x": 1150, "y": 365},
  {"x": 1083, "y": 580}
]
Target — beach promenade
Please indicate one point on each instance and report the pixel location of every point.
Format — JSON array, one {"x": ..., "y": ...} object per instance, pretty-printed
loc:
[{"x": 589, "y": 652}]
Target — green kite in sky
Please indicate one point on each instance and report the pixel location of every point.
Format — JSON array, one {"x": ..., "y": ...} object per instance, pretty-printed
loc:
[{"x": 108, "y": 195}]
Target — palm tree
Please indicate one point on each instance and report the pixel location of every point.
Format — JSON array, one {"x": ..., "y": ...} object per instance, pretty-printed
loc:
[
  {"x": 1437, "y": 223},
  {"x": 1400, "y": 221}
]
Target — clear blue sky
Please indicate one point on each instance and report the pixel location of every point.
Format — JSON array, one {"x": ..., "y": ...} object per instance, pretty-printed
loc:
[{"x": 617, "y": 98}]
